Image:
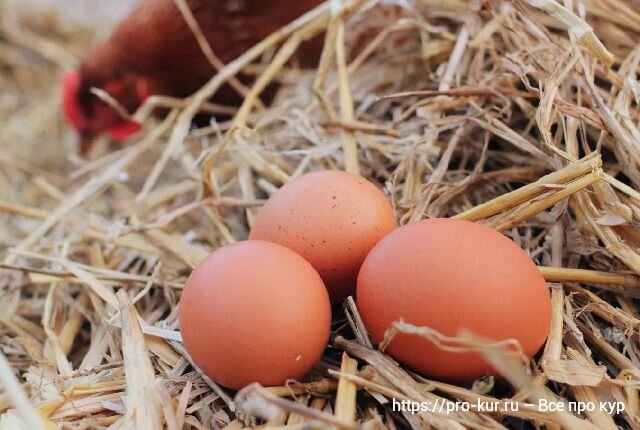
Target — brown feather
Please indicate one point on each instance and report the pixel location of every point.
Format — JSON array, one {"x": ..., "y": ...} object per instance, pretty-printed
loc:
[{"x": 155, "y": 42}]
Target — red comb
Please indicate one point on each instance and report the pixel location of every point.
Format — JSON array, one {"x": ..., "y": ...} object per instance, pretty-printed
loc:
[{"x": 70, "y": 83}]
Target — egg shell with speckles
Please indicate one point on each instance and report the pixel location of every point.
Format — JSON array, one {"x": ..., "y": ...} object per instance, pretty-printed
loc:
[
  {"x": 452, "y": 275},
  {"x": 331, "y": 218},
  {"x": 254, "y": 311}
]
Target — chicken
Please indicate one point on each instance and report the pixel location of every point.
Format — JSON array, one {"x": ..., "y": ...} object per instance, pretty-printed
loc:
[{"x": 154, "y": 52}]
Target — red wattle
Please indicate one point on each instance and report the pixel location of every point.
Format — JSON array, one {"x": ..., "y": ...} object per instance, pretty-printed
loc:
[{"x": 124, "y": 130}]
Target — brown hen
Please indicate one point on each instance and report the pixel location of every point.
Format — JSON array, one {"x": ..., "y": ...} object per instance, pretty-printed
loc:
[{"x": 155, "y": 52}]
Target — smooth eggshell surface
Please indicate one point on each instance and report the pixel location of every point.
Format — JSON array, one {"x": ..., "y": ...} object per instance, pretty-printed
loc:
[
  {"x": 254, "y": 311},
  {"x": 451, "y": 275},
  {"x": 332, "y": 219}
]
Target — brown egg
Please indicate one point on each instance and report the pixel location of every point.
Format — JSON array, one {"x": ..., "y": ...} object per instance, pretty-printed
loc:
[
  {"x": 452, "y": 275},
  {"x": 254, "y": 311},
  {"x": 331, "y": 218}
]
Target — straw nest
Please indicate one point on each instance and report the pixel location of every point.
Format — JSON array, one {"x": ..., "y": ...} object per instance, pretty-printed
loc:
[{"x": 518, "y": 115}]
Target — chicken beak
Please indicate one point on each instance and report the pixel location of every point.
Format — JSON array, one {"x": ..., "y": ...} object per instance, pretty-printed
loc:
[{"x": 86, "y": 141}]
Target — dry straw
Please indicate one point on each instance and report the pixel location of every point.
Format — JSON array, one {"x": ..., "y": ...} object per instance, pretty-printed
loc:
[{"x": 521, "y": 115}]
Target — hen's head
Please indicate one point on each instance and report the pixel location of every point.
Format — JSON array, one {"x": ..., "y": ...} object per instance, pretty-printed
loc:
[{"x": 90, "y": 116}]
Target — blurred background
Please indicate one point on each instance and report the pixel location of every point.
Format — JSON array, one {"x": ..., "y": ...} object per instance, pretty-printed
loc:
[
  {"x": 87, "y": 12},
  {"x": 39, "y": 39}
]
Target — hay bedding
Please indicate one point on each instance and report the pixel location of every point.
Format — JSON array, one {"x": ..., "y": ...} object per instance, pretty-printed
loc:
[{"x": 505, "y": 113}]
